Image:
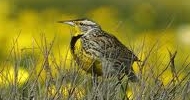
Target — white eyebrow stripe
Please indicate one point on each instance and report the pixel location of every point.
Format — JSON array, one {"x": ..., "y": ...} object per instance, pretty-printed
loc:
[{"x": 89, "y": 22}]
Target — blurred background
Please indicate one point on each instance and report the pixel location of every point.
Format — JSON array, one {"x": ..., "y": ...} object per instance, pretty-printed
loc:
[{"x": 132, "y": 21}]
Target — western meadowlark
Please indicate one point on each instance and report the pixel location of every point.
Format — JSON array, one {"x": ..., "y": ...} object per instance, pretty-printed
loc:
[{"x": 97, "y": 51}]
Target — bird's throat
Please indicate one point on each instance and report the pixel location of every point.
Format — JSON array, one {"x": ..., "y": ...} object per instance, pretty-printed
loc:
[{"x": 77, "y": 31}]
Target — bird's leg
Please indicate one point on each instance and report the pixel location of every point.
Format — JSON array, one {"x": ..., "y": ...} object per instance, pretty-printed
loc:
[
  {"x": 94, "y": 79},
  {"x": 120, "y": 82},
  {"x": 119, "y": 77},
  {"x": 94, "y": 76},
  {"x": 123, "y": 87},
  {"x": 94, "y": 82}
]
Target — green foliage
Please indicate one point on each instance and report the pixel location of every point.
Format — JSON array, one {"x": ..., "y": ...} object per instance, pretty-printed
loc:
[{"x": 50, "y": 78}]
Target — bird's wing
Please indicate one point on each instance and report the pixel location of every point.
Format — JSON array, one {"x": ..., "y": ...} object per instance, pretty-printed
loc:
[{"x": 101, "y": 44}]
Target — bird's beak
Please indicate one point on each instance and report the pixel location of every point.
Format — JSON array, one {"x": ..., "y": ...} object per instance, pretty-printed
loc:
[{"x": 67, "y": 22}]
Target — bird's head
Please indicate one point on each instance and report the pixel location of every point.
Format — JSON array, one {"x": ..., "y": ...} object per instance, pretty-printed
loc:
[{"x": 81, "y": 26}]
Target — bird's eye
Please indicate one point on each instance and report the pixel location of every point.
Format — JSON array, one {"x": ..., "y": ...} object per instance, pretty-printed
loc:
[{"x": 81, "y": 24}]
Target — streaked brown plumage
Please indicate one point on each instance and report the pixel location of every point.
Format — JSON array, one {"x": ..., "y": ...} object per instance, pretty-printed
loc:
[{"x": 94, "y": 49}]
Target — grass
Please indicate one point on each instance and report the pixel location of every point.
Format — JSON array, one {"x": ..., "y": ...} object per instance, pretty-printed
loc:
[{"x": 50, "y": 78}]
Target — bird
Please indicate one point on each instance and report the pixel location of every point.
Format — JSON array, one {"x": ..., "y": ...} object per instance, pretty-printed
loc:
[{"x": 99, "y": 52}]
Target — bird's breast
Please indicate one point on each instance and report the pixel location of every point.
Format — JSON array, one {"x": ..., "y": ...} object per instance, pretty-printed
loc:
[{"x": 83, "y": 59}]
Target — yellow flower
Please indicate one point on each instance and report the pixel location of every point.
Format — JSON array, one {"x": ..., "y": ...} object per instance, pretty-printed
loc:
[{"x": 7, "y": 76}]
